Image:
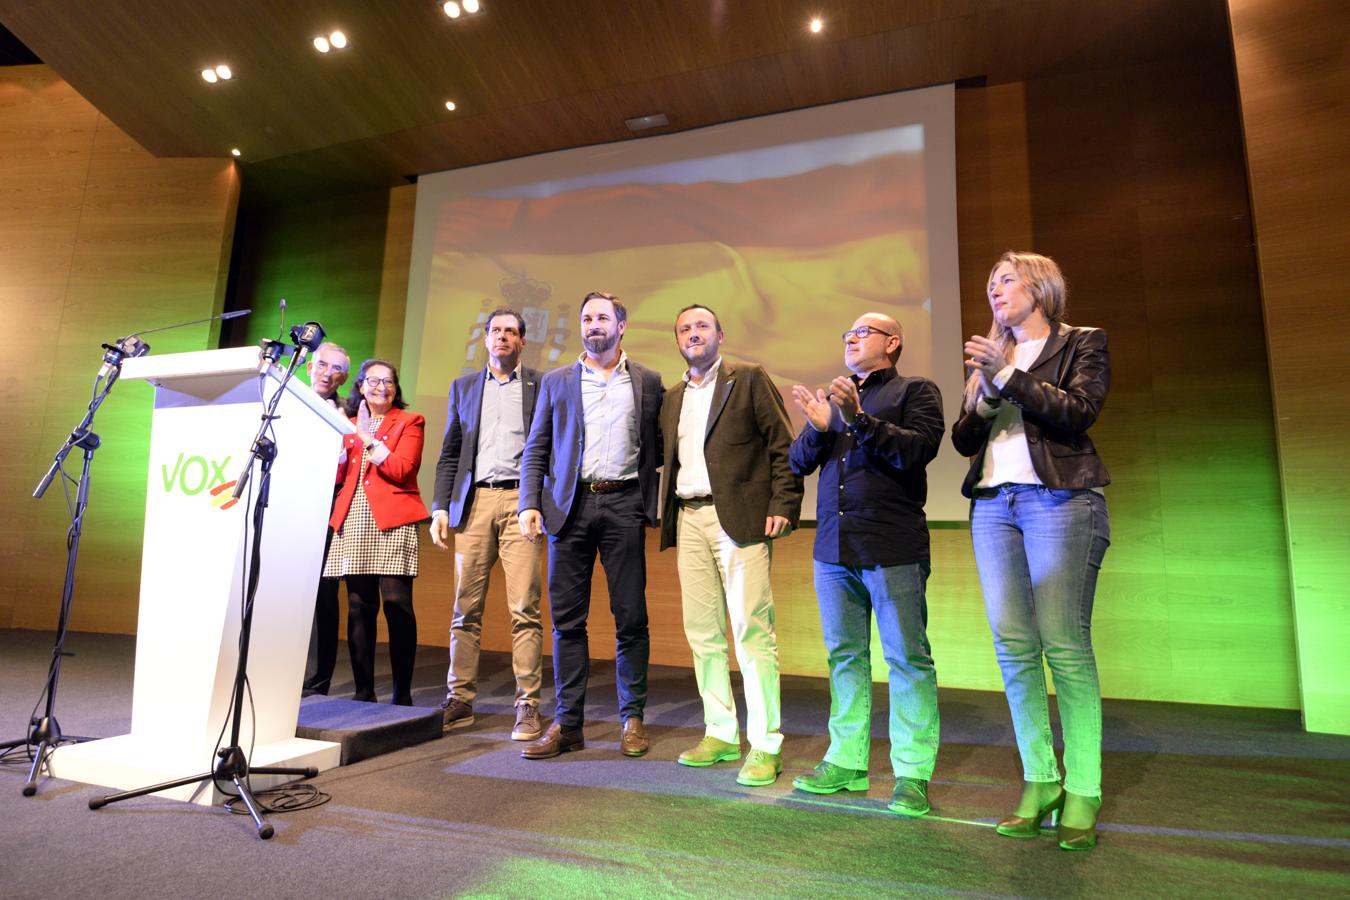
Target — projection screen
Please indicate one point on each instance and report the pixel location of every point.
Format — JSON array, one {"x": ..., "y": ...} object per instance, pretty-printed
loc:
[{"x": 788, "y": 226}]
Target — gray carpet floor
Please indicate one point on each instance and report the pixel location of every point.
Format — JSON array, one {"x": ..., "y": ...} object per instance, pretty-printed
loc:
[{"x": 1200, "y": 801}]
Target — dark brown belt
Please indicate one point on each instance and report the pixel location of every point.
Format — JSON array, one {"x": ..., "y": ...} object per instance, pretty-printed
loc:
[
  {"x": 696, "y": 501},
  {"x": 510, "y": 485},
  {"x": 608, "y": 487}
]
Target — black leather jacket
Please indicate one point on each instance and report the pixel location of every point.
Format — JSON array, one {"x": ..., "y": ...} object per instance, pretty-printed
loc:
[{"x": 1060, "y": 396}]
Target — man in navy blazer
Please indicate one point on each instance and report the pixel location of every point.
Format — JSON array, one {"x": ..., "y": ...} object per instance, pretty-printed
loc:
[
  {"x": 477, "y": 494},
  {"x": 588, "y": 479}
]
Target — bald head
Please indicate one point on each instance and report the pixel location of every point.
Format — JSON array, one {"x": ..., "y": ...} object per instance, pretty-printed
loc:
[{"x": 877, "y": 347}]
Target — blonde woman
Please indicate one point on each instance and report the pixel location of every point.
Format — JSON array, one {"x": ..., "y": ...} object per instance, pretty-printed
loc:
[{"x": 1040, "y": 529}]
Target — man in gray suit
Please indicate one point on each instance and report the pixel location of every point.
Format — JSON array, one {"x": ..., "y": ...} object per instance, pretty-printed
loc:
[
  {"x": 729, "y": 492},
  {"x": 477, "y": 493},
  {"x": 588, "y": 478}
]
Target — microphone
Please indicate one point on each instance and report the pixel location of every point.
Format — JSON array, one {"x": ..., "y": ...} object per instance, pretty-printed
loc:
[
  {"x": 269, "y": 353},
  {"x": 113, "y": 354},
  {"x": 307, "y": 338},
  {"x": 281, "y": 319}
]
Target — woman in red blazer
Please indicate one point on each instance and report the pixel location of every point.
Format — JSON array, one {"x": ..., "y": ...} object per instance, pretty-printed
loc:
[{"x": 375, "y": 518}]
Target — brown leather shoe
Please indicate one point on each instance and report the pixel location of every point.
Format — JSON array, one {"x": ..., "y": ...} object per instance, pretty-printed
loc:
[
  {"x": 633, "y": 741},
  {"x": 555, "y": 742}
]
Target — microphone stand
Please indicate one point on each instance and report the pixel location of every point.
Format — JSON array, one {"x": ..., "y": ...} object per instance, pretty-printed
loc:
[
  {"x": 233, "y": 765},
  {"x": 46, "y": 733}
]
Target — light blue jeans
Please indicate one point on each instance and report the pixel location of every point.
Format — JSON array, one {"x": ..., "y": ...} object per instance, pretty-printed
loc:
[
  {"x": 1038, "y": 551},
  {"x": 848, "y": 596}
]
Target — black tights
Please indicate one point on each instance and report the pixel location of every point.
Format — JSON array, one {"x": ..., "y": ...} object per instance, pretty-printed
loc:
[{"x": 364, "y": 593}]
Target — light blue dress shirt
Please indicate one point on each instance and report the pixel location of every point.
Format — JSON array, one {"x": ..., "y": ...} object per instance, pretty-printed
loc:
[{"x": 610, "y": 419}]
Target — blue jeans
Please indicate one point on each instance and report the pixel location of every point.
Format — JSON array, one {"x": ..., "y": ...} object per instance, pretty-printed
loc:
[
  {"x": 1039, "y": 551},
  {"x": 848, "y": 597}
]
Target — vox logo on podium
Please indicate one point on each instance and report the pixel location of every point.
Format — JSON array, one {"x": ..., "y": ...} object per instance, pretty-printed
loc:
[{"x": 190, "y": 475}]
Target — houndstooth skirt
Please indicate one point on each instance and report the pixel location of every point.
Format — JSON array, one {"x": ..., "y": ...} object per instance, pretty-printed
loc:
[{"x": 359, "y": 547}]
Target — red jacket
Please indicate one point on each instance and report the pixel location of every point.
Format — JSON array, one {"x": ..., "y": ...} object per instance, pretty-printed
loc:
[{"x": 391, "y": 486}]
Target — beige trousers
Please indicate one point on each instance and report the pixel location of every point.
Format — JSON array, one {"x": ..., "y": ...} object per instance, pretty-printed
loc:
[
  {"x": 491, "y": 533},
  {"x": 721, "y": 580}
]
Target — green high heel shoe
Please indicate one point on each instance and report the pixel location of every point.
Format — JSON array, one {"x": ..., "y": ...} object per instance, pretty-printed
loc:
[
  {"x": 1016, "y": 826},
  {"x": 1080, "y": 838}
]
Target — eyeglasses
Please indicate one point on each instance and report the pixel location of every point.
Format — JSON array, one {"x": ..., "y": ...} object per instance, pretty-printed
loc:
[
  {"x": 862, "y": 331},
  {"x": 378, "y": 382},
  {"x": 321, "y": 366}
]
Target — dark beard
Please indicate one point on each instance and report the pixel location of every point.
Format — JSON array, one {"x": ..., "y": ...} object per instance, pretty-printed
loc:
[{"x": 598, "y": 345}]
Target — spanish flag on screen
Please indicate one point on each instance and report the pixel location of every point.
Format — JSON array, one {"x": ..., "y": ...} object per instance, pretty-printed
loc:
[{"x": 787, "y": 261}]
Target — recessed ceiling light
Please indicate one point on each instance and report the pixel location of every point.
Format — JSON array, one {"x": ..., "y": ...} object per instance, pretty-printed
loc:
[
  {"x": 451, "y": 9},
  {"x": 321, "y": 44},
  {"x": 655, "y": 120},
  {"x": 234, "y": 152},
  {"x": 817, "y": 26},
  {"x": 209, "y": 76},
  {"x": 450, "y": 105},
  {"x": 471, "y": 6},
  {"x": 338, "y": 39},
  {"x": 223, "y": 72}
]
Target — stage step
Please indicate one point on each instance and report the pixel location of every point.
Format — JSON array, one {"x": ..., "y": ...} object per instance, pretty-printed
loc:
[{"x": 366, "y": 729}]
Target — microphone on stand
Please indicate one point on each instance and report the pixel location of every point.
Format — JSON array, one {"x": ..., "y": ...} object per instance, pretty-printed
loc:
[
  {"x": 307, "y": 338},
  {"x": 113, "y": 354}
]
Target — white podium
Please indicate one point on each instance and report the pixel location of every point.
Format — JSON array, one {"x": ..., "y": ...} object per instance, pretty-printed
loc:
[{"x": 194, "y": 573}]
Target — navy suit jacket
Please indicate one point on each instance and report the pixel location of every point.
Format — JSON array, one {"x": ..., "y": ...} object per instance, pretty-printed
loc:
[
  {"x": 459, "y": 449},
  {"x": 551, "y": 465}
]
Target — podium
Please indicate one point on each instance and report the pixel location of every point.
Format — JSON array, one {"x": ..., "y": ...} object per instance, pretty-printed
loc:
[{"x": 194, "y": 573}]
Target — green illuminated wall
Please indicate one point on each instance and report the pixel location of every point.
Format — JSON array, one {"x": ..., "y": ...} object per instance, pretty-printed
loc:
[
  {"x": 330, "y": 260},
  {"x": 1295, "y": 81}
]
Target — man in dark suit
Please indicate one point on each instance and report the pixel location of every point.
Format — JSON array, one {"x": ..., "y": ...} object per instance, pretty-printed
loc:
[
  {"x": 729, "y": 491},
  {"x": 477, "y": 494},
  {"x": 588, "y": 479}
]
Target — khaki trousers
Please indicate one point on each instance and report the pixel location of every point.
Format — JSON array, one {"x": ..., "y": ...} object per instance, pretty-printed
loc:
[
  {"x": 721, "y": 580},
  {"x": 492, "y": 532}
]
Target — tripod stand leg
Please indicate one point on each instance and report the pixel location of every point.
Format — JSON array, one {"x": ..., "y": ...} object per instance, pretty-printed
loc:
[
  {"x": 264, "y": 828},
  {"x": 39, "y": 759},
  {"x": 98, "y": 802}
]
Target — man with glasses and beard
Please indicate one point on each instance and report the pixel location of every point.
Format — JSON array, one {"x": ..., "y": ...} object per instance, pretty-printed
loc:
[{"x": 588, "y": 480}]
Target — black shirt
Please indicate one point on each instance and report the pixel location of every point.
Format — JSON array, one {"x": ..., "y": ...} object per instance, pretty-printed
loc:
[{"x": 869, "y": 506}]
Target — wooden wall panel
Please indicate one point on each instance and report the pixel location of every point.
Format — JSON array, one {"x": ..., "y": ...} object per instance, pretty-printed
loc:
[
  {"x": 1294, "y": 81},
  {"x": 97, "y": 239},
  {"x": 1136, "y": 187}
]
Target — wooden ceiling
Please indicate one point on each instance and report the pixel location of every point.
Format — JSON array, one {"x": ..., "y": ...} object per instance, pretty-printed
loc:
[{"x": 530, "y": 76}]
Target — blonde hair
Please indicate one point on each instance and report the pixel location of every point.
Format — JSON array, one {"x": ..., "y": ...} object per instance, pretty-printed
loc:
[{"x": 1043, "y": 280}]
